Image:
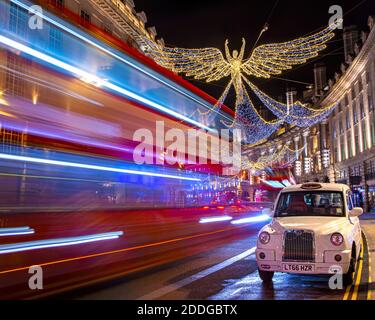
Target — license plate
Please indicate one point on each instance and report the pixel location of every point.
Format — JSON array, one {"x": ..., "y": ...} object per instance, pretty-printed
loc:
[{"x": 289, "y": 267}]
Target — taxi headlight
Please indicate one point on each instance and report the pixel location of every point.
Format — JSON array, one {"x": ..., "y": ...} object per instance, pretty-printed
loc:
[
  {"x": 337, "y": 239},
  {"x": 264, "y": 237}
]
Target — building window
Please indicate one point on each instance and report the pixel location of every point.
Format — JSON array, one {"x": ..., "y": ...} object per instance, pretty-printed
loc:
[
  {"x": 58, "y": 4},
  {"x": 350, "y": 147},
  {"x": 18, "y": 20},
  {"x": 16, "y": 69},
  {"x": 336, "y": 154},
  {"x": 334, "y": 132},
  {"x": 370, "y": 104},
  {"x": 360, "y": 85},
  {"x": 55, "y": 38},
  {"x": 353, "y": 93},
  {"x": 364, "y": 139},
  {"x": 355, "y": 116},
  {"x": 347, "y": 118},
  {"x": 85, "y": 17},
  {"x": 341, "y": 126},
  {"x": 361, "y": 106},
  {"x": 372, "y": 129},
  {"x": 342, "y": 146},
  {"x": 357, "y": 150}
]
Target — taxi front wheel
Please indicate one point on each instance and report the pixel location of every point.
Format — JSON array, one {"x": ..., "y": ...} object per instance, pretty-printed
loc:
[
  {"x": 348, "y": 278},
  {"x": 266, "y": 276}
]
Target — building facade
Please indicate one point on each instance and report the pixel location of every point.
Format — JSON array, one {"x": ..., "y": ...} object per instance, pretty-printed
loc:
[{"x": 342, "y": 148}]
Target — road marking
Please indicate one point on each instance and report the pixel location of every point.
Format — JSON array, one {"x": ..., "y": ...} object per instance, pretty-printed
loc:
[
  {"x": 359, "y": 271},
  {"x": 347, "y": 292},
  {"x": 359, "y": 275},
  {"x": 369, "y": 295},
  {"x": 182, "y": 283}
]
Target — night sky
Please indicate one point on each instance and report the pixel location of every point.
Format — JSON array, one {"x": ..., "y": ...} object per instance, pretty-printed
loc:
[{"x": 206, "y": 23}]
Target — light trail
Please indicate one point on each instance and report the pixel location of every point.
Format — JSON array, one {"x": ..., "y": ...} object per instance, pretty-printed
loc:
[
  {"x": 215, "y": 219},
  {"x": 6, "y": 232},
  {"x": 116, "y": 56},
  {"x": 61, "y": 242},
  {"x": 91, "y": 167},
  {"x": 95, "y": 255},
  {"x": 260, "y": 218},
  {"x": 98, "y": 81}
]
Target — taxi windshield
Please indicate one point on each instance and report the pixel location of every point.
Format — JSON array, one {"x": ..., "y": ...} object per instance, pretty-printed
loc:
[{"x": 310, "y": 203}]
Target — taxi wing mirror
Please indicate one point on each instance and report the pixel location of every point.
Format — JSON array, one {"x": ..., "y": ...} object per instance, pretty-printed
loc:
[
  {"x": 268, "y": 211},
  {"x": 356, "y": 212}
]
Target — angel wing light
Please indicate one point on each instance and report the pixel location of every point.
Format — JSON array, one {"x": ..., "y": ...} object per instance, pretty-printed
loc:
[{"x": 265, "y": 61}]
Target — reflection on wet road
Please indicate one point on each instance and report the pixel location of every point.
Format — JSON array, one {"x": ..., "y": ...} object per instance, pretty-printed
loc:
[{"x": 223, "y": 274}]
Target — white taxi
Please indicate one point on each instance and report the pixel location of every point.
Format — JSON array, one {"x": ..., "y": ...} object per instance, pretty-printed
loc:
[{"x": 314, "y": 230}]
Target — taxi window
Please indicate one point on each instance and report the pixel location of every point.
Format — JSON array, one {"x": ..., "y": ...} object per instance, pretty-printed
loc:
[
  {"x": 310, "y": 203},
  {"x": 349, "y": 200}
]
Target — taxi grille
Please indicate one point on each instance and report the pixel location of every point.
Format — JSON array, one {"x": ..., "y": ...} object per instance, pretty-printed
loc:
[{"x": 298, "y": 245}]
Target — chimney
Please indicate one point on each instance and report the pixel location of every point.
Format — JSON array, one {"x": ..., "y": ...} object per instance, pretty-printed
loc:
[
  {"x": 351, "y": 37},
  {"x": 320, "y": 78}
]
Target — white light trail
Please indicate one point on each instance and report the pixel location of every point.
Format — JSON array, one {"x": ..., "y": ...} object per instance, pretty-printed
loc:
[
  {"x": 94, "y": 79},
  {"x": 260, "y": 218},
  {"x": 61, "y": 242},
  {"x": 96, "y": 45},
  {"x": 91, "y": 167},
  {"x": 215, "y": 219},
  {"x": 5, "y": 232}
]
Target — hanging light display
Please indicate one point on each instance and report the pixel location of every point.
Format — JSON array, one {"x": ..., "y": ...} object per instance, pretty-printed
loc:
[
  {"x": 265, "y": 61},
  {"x": 298, "y": 168},
  {"x": 307, "y": 165},
  {"x": 326, "y": 158},
  {"x": 261, "y": 163}
]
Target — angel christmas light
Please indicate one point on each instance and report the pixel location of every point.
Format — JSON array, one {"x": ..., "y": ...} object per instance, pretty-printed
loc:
[{"x": 265, "y": 61}]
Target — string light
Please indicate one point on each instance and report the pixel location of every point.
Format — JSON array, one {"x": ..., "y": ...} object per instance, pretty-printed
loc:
[
  {"x": 266, "y": 161},
  {"x": 209, "y": 64}
]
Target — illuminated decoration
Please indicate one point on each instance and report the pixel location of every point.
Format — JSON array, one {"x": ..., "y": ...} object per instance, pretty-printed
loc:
[
  {"x": 298, "y": 168},
  {"x": 266, "y": 161},
  {"x": 326, "y": 157},
  {"x": 307, "y": 165},
  {"x": 251, "y": 177},
  {"x": 297, "y": 114},
  {"x": 265, "y": 61}
]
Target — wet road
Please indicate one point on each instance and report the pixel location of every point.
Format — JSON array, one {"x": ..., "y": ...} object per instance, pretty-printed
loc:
[{"x": 229, "y": 273}]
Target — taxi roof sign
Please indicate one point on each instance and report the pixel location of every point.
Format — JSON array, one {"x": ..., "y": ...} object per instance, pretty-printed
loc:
[{"x": 311, "y": 186}]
